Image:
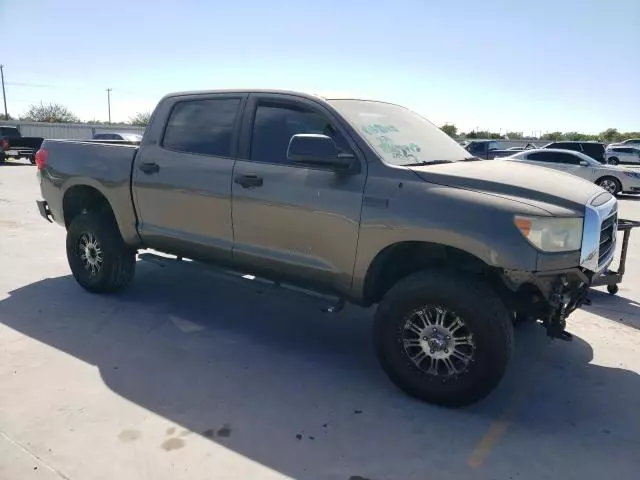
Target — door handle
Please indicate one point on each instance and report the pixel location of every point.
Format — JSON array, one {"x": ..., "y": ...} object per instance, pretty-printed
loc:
[
  {"x": 149, "y": 167},
  {"x": 248, "y": 180}
]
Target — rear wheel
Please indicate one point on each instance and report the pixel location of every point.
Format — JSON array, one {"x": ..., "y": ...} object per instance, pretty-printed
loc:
[
  {"x": 614, "y": 161},
  {"x": 32, "y": 159},
  {"x": 443, "y": 337},
  {"x": 98, "y": 257},
  {"x": 610, "y": 184},
  {"x": 2, "y": 158}
]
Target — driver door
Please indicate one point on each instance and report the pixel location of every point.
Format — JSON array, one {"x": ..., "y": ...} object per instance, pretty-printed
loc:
[{"x": 290, "y": 220}]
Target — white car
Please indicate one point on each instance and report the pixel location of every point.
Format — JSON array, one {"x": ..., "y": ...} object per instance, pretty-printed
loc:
[
  {"x": 613, "y": 179},
  {"x": 622, "y": 154}
]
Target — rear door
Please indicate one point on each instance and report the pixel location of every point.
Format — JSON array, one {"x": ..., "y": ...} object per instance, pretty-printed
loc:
[
  {"x": 182, "y": 176},
  {"x": 291, "y": 220},
  {"x": 542, "y": 159}
]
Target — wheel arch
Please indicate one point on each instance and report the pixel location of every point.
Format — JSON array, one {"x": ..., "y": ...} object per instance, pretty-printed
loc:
[
  {"x": 80, "y": 198},
  {"x": 401, "y": 259}
]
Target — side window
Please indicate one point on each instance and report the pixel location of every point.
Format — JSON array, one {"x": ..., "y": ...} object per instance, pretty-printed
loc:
[
  {"x": 567, "y": 159},
  {"x": 476, "y": 148},
  {"x": 493, "y": 146},
  {"x": 548, "y": 157},
  {"x": 274, "y": 125},
  {"x": 203, "y": 127}
]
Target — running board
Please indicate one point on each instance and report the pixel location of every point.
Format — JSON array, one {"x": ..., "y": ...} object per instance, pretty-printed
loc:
[{"x": 336, "y": 304}]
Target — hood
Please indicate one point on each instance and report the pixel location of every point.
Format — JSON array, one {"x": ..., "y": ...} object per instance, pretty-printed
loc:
[{"x": 556, "y": 192}]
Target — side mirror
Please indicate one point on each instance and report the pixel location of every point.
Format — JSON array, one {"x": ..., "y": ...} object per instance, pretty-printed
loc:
[
  {"x": 584, "y": 163},
  {"x": 317, "y": 150}
]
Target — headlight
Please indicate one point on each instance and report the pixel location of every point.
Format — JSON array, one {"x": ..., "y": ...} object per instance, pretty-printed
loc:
[{"x": 551, "y": 234}]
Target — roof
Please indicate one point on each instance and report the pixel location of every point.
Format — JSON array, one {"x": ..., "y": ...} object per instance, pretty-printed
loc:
[{"x": 324, "y": 95}]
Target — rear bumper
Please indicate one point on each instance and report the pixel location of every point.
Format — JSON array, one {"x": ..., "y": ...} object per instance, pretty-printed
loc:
[{"x": 45, "y": 212}]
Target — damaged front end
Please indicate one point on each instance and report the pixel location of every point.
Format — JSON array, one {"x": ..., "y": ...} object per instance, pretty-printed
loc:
[
  {"x": 548, "y": 296},
  {"x": 551, "y": 295}
]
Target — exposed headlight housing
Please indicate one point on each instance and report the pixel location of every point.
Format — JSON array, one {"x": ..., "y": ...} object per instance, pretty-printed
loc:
[{"x": 551, "y": 234}]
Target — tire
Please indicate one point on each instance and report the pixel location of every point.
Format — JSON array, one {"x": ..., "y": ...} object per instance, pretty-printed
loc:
[
  {"x": 610, "y": 184},
  {"x": 99, "y": 231},
  {"x": 485, "y": 319},
  {"x": 32, "y": 159},
  {"x": 614, "y": 161},
  {"x": 2, "y": 158},
  {"x": 612, "y": 289}
]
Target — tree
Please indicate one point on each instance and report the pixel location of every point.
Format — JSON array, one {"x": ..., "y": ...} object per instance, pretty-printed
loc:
[
  {"x": 140, "y": 119},
  {"x": 514, "y": 135},
  {"x": 610, "y": 135},
  {"x": 450, "y": 129},
  {"x": 50, "y": 113},
  {"x": 6, "y": 117},
  {"x": 554, "y": 136}
]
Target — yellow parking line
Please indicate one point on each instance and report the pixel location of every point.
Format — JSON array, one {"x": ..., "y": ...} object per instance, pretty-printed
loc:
[{"x": 499, "y": 427}]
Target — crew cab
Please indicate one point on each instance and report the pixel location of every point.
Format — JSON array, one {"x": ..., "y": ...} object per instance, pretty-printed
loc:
[
  {"x": 361, "y": 199},
  {"x": 14, "y": 145}
]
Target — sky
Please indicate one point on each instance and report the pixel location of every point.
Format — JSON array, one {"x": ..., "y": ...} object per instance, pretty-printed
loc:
[{"x": 567, "y": 65}]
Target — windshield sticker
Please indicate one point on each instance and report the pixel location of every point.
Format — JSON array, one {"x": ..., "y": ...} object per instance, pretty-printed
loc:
[
  {"x": 377, "y": 129},
  {"x": 398, "y": 151}
]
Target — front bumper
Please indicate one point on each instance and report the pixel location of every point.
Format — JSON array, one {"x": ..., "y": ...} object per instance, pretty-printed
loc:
[{"x": 45, "y": 212}]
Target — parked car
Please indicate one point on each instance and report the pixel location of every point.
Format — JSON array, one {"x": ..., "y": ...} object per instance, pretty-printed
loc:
[
  {"x": 14, "y": 145},
  {"x": 365, "y": 200},
  {"x": 594, "y": 150},
  {"x": 631, "y": 142},
  {"x": 617, "y": 155},
  {"x": 122, "y": 136},
  {"x": 614, "y": 180},
  {"x": 486, "y": 149}
]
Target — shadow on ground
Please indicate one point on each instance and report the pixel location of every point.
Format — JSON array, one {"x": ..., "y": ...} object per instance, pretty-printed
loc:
[
  {"x": 261, "y": 371},
  {"x": 615, "y": 307}
]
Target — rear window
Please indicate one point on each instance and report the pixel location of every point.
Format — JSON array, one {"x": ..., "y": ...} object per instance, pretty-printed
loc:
[
  {"x": 9, "y": 132},
  {"x": 593, "y": 148},
  {"x": 203, "y": 127}
]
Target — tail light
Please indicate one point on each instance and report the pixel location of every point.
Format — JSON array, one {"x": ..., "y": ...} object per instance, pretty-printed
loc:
[
  {"x": 5, "y": 144},
  {"x": 41, "y": 158}
]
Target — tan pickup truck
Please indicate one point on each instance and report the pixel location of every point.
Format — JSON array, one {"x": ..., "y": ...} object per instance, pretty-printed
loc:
[{"x": 361, "y": 199}]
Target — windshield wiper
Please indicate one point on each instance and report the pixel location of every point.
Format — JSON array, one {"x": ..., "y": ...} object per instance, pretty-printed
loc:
[
  {"x": 473, "y": 159},
  {"x": 422, "y": 163}
]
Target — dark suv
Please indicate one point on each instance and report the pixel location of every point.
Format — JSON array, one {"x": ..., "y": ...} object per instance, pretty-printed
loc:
[{"x": 594, "y": 150}]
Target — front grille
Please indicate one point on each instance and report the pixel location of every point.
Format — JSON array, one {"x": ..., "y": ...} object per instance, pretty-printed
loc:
[{"x": 607, "y": 236}]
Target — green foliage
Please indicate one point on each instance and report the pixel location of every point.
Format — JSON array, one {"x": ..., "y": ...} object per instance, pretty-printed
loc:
[
  {"x": 450, "y": 130},
  {"x": 553, "y": 136},
  {"x": 50, "y": 113},
  {"x": 514, "y": 135},
  {"x": 140, "y": 119}
]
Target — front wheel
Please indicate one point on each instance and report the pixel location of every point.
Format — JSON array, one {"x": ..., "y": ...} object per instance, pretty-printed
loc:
[
  {"x": 610, "y": 184},
  {"x": 614, "y": 161},
  {"x": 98, "y": 257},
  {"x": 443, "y": 337}
]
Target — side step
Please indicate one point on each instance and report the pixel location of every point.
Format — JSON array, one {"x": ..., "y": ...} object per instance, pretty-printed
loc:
[{"x": 163, "y": 260}]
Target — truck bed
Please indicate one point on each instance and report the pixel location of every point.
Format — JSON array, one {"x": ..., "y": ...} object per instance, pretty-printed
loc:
[{"x": 105, "y": 167}]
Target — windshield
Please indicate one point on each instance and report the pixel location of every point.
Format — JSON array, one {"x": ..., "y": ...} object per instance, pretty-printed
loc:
[{"x": 399, "y": 135}]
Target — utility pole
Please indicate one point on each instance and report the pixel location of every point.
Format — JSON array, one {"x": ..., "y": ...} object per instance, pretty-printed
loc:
[
  {"x": 109, "y": 103},
  {"x": 4, "y": 95}
]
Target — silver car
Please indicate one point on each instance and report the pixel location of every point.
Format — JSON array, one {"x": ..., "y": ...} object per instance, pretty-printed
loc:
[
  {"x": 613, "y": 179},
  {"x": 622, "y": 154}
]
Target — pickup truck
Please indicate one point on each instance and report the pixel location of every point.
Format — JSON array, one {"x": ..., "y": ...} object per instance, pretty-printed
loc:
[
  {"x": 360, "y": 199},
  {"x": 487, "y": 149},
  {"x": 14, "y": 145}
]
